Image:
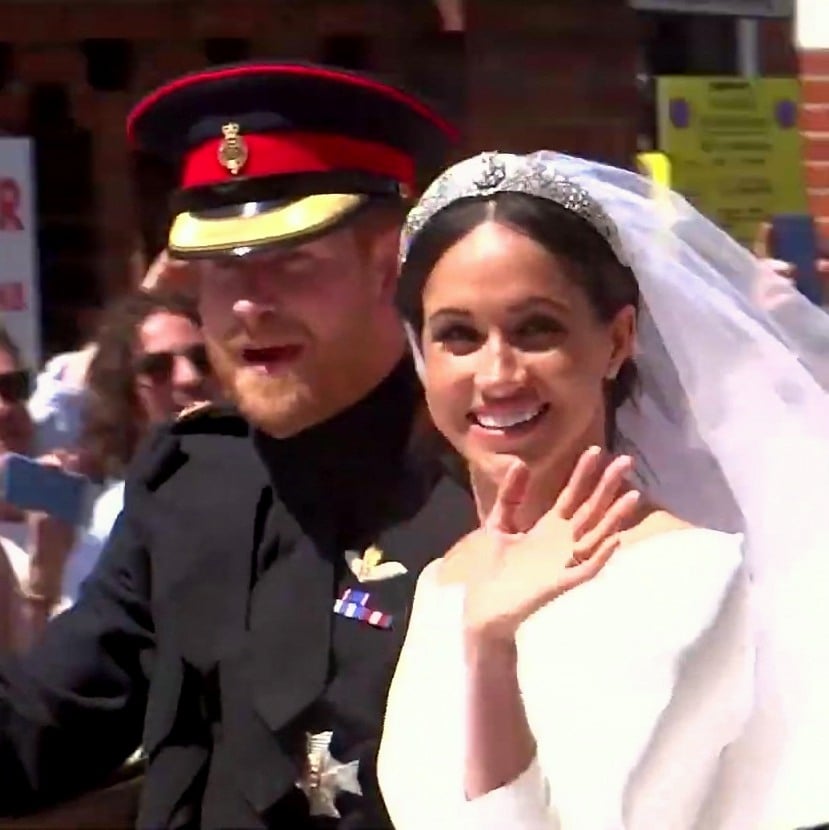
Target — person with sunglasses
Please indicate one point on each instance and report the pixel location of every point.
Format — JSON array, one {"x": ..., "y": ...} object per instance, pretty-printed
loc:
[
  {"x": 150, "y": 364},
  {"x": 58, "y": 400}
]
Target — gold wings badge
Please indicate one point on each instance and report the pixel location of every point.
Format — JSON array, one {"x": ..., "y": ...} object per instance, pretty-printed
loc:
[{"x": 370, "y": 567}]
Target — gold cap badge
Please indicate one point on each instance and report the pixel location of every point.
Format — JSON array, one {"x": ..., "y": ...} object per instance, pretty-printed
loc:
[{"x": 233, "y": 151}]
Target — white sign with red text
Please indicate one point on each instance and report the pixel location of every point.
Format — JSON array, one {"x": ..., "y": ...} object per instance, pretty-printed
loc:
[{"x": 19, "y": 284}]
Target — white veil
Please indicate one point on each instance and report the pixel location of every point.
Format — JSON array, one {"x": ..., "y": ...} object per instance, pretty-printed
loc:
[{"x": 730, "y": 429}]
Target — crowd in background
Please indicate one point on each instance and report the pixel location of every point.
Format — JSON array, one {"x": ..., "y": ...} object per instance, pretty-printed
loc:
[{"x": 87, "y": 412}]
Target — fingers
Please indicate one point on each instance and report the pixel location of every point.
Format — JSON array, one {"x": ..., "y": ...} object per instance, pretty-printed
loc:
[
  {"x": 592, "y": 485},
  {"x": 581, "y": 480},
  {"x": 511, "y": 495},
  {"x": 598, "y": 502},
  {"x": 54, "y": 459},
  {"x": 165, "y": 271},
  {"x": 50, "y": 540},
  {"x": 583, "y": 571},
  {"x": 614, "y": 518}
]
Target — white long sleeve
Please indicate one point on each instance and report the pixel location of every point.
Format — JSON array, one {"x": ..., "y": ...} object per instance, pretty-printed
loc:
[{"x": 633, "y": 685}]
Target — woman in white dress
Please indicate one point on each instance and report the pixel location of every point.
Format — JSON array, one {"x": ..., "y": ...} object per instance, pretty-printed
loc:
[{"x": 597, "y": 657}]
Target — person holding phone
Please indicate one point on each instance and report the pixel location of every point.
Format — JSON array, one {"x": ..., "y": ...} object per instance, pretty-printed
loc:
[
  {"x": 149, "y": 364},
  {"x": 34, "y": 545}
]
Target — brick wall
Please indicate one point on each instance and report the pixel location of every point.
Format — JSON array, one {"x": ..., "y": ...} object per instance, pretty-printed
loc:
[
  {"x": 527, "y": 74},
  {"x": 165, "y": 38},
  {"x": 778, "y": 55},
  {"x": 814, "y": 68},
  {"x": 551, "y": 75}
]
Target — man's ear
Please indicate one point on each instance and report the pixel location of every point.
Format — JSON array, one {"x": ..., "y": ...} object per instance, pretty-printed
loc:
[
  {"x": 385, "y": 261},
  {"x": 378, "y": 234}
]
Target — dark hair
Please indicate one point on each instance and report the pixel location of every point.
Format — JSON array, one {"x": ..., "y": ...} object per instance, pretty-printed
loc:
[
  {"x": 608, "y": 285},
  {"x": 112, "y": 423}
]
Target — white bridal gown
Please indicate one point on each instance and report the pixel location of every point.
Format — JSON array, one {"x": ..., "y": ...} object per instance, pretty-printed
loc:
[{"x": 634, "y": 685}]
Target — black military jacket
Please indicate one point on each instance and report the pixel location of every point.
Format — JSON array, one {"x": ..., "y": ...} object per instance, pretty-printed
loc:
[{"x": 207, "y": 632}]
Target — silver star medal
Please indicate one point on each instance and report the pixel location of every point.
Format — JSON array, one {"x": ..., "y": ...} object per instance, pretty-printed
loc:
[{"x": 325, "y": 776}]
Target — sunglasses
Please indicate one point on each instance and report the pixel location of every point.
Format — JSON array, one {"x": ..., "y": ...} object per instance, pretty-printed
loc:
[
  {"x": 15, "y": 386},
  {"x": 158, "y": 366}
]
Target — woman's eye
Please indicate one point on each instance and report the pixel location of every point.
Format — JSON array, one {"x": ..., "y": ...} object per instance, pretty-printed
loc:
[
  {"x": 540, "y": 325},
  {"x": 455, "y": 332},
  {"x": 458, "y": 337},
  {"x": 538, "y": 330}
]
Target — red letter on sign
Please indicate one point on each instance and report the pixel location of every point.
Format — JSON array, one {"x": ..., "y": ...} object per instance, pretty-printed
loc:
[
  {"x": 9, "y": 205},
  {"x": 12, "y": 296}
]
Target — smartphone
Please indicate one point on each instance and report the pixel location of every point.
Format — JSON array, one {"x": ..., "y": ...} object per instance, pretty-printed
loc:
[
  {"x": 795, "y": 241},
  {"x": 30, "y": 486}
]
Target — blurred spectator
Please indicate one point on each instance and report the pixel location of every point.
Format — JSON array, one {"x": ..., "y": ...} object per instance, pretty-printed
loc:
[
  {"x": 33, "y": 547},
  {"x": 150, "y": 363},
  {"x": 57, "y": 404},
  {"x": 16, "y": 429}
]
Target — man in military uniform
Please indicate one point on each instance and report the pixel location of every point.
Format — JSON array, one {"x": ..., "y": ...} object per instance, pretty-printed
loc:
[{"x": 246, "y": 617}]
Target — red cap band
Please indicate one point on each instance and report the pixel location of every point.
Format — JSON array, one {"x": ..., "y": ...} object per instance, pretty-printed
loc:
[{"x": 285, "y": 153}]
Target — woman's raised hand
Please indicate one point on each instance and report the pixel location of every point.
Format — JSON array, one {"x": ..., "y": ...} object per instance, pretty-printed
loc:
[{"x": 569, "y": 545}]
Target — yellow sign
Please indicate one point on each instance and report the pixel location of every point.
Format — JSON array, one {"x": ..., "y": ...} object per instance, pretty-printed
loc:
[{"x": 734, "y": 147}]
